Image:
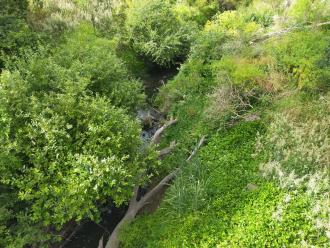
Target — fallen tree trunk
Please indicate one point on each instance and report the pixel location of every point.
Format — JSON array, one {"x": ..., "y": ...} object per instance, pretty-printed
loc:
[{"x": 135, "y": 205}]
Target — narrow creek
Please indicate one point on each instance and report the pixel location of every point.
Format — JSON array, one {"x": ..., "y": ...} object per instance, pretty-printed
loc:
[{"x": 89, "y": 233}]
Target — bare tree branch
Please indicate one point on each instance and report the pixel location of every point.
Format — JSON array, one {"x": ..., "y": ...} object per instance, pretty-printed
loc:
[
  {"x": 156, "y": 138},
  {"x": 288, "y": 30},
  {"x": 200, "y": 143},
  {"x": 100, "y": 243},
  {"x": 166, "y": 150}
]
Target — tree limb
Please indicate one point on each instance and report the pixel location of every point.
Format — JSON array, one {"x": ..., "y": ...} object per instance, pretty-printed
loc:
[
  {"x": 156, "y": 138},
  {"x": 100, "y": 243},
  {"x": 200, "y": 143},
  {"x": 134, "y": 196},
  {"x": 288, "y": 30},
  {"x": 166, "y": 150}
]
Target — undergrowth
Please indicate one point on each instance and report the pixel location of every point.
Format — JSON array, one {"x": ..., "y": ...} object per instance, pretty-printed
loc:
[{"x": 262, "y": 179}]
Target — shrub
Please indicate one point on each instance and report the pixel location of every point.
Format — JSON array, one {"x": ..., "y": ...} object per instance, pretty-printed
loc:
[
  {"x": 227, "y": 33},
  {"x": 303, "y": 56},
  {"x": 242, "y": 72},
  {"x": 16, "y": 37},
  {"x": 92, "y": 61},
  {"x": 156, "y": 33},
  {"x": 227, "y": 103},
  {"x": 65, "y": 147},
  {"x": 193, "y": 79},
  {"x": 56, "y": 16},
  {"x": 95, "y": 58},
  {"x": 195, "y": 10},
  {"x": 211, "y": 60},
  {"x": 305, "y": 11}
]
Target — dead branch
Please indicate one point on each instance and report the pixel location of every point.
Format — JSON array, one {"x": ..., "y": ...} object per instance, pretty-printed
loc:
[
  {"x": 100, "y": 243},
  {"x": 156, "y": 138},
  {"x": 200, "y": 143},
  {"x": 288, "y": 30},
  {"x": 135, "y": 206},
  {"x": 166, "y": 150}
]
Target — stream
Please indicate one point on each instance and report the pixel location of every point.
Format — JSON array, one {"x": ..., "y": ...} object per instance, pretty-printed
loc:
[{"x": 88, "y": 233}]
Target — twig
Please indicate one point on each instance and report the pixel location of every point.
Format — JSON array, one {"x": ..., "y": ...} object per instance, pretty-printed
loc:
[{"x": 200, "y": 143}]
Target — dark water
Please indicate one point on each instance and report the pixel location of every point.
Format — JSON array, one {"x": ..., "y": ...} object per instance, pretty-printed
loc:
[
  {"x": 89, "y": 233},
  {"x": 157, "y": 77}
]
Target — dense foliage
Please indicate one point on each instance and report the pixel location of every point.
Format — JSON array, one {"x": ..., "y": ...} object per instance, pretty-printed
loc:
[
  {"x": 253, "y": 77},
  {"x": 156, "y": 32}
]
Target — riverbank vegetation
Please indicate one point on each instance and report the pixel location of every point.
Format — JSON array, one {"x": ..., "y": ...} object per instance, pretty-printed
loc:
[{"x": 253, "y": 79}]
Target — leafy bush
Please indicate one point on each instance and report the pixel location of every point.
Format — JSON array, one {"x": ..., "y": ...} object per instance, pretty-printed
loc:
[
  {"x": 195, "y": 10},
  {"x": 303, "y": 56},
  {"x": 97, "y": 65},
  {"x": 56, "y": 16},
  {"x": 89, "y": 56},
  {"x": 156, "y": 32},
  {"x": 14, "y": 7},
  {"x": 304, "y": 11},
  {"x": 238, "y": 71},
  {"x": 205, "y": 69},
  {"x": 16, "y": 37},
  {"x": 66, "y": 147},
  {"x": 193, "y": 79},
  {"x": 227, "y": 33}
]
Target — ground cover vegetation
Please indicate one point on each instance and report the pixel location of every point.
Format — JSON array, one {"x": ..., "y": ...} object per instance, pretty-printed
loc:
[
  {"x": 262, "y": 180},
  {"x": 253, "y": 78}
]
